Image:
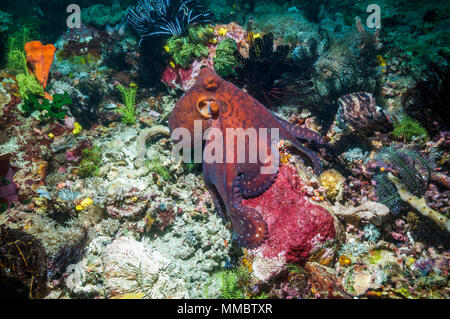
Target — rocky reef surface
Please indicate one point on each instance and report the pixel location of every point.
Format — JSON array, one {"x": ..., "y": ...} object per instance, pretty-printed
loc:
[{"x": 94, "y": 205}]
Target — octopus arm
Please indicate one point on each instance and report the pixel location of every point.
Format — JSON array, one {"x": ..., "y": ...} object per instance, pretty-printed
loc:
[
  {"x": 301, "y": 132},
  {"x": 249, "y": 227}
]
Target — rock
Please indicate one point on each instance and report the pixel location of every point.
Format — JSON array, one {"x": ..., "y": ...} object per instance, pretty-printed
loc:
[
  {"x": 324, "y": 283},
  {"x": 358, "y": 279},
  {"x": 372, "y": 212},
  {"x": 131, "y": 267}
]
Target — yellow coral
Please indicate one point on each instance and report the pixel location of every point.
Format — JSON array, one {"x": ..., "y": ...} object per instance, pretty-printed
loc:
[
  {"x": 344, "y": 261},
  {"x": 333, "y": 182},
  {"x": 84, "y": 203},
  {"x": 285, "y": 157},
  {"x": 223, "y": 31},
  {"x": 51, "y": 135},
  {"x": 77, "y": 129}
]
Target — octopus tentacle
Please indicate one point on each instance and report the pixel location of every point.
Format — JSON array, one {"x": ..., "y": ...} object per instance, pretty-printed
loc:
[
  {"x": 249, "y": 227},
  {"x": 311, "y": 155},
  {"x": 301, "y": 132},
  {"x": 217, "y": 200},
  {"x": 254, "y": 184}
]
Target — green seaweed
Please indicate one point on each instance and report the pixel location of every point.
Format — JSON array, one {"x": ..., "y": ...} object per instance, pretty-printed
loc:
[
  {"x": 229, "y": 285},
  {"x": 225, "y": 61},
  {"x": 46, "y": 109},
  {"x": 29, "y": 86},
  {"x": 129, "y": 101},
  {"x": 156, "y": 166},
  {"x": 89, "y": 165},
  {"x": 184, "y": 50},
  {"x": 408, "y": 128}
]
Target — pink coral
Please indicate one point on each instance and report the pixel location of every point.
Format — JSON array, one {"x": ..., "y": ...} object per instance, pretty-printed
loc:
[{"x": 296, "y": 226}]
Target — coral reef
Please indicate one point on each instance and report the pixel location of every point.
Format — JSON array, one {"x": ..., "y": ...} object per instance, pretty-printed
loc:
[{"x": 95, "y": 204}]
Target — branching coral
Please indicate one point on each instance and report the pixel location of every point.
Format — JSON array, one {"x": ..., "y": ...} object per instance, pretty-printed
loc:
[{"x": 166, "y": 17}]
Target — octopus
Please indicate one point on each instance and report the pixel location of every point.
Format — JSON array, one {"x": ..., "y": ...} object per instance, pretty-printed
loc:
[{"x": 220, "y": 105}]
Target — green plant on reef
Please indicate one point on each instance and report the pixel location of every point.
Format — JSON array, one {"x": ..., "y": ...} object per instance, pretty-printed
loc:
[
  {"x": 129, "y": 100},
  {"x": 91, "y": 159},
  {"x": 408, "y": 128},
  {"x": 225, "y": 61},
  {"x": 184, "y": 50},
  {"x": 234, "y": 283},
  {"x": 16, "y": 58},
  {"x": 46, "y": 109},
  {"x": 229, "y": 285},
  {"x": 156, "y": 166},
  {"x": 193, "y": 167},
  {"x": 29, "y": 86}
]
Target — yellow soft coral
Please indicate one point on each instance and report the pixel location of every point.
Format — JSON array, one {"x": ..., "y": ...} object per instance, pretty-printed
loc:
[
  {"x": 84, "y": 203},
  {"x": 333, "y": 182},
  {"x": 77, "y": 129},
  {"x": 223, "y": 31}
]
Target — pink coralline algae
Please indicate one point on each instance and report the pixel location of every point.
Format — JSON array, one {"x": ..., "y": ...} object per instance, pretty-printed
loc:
[{"x": 296, "y": 226}]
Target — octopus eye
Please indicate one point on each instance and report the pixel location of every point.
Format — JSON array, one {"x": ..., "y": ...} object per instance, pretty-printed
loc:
[
  {"x": 211, "y": 83},
  {"x": 208, "y": 108}
]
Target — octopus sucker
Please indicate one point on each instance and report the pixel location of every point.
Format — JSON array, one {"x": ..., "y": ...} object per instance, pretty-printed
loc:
[{"x": 221, "y": 105}]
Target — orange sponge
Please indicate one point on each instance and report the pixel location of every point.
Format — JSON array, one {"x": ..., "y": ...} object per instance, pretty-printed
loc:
[{"x": 40, "y": 59}]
